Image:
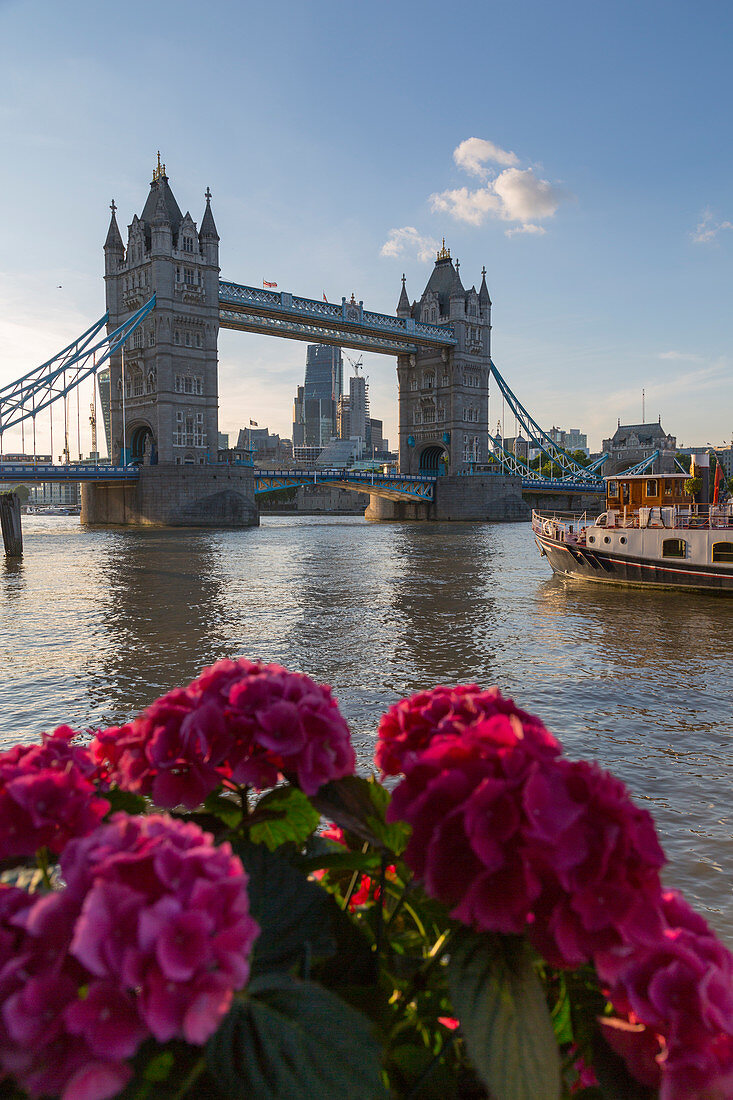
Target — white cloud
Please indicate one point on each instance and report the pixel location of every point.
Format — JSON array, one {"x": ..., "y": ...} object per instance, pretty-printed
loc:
[
  {"x": 467, "y": 206},
  {"x": 707, "y": 229},
  {"x": 514, "y": 195},
  {"x": 679, "y": 355},
  {"x": 525, "y": 229},
  {"x": 472, "y": 154},
  {"x": 407, "y": 239}
]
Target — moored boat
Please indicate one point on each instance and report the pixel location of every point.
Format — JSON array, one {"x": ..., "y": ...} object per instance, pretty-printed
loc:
[{"x": 649, "y": 534}]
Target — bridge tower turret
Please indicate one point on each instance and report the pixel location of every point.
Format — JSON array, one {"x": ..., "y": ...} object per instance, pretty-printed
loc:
[
  {"x": 164, "y": 390},
  {"x": 444, "y": 395}
]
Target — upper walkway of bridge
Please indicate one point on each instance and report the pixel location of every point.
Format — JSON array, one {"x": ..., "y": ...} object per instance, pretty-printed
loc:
[{"x": 346, "y": 324}]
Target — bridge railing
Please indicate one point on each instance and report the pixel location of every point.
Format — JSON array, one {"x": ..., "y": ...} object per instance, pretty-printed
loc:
[{"x": 235, "y": 293}]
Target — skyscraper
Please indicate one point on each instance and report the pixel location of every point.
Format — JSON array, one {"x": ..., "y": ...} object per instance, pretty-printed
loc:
[{"x": 314, "y": 412}]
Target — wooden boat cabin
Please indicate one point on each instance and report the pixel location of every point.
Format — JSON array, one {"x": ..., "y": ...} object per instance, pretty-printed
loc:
[{"x": 635, "y": 491}]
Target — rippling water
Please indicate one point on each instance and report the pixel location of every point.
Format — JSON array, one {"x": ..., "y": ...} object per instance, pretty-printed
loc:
[{"x": 94, "y": 624}]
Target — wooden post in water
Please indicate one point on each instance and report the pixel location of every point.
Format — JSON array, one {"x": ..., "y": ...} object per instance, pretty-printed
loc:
[{"x": 10, "y": 522}]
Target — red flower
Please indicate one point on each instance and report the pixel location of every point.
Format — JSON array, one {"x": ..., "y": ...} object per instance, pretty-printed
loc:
[
  {"x": 47, "y": 795},
  {"x": 412, "y": 724},
  {"x": 247, "y": 722}
]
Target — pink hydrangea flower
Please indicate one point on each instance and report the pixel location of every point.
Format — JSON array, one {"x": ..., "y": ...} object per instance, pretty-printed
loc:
[
  {"x": 412, "y": 724},
  {"x": 47, "y": 795},
  {"x": 676, "y": 993},
  {"x": 515, "y": 839},
  {"x": 151, "y": 935},
  {"x": 239, "y": 720}
]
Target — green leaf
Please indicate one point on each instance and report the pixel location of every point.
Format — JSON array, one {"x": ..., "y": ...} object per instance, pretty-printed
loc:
[
  {"x": 159, "y": 1068},
  {"x": 126, "y": 801},
  {"x": 506, "y": 1024},
  {"x": 291, "y": 1039},
  {"x": 359, "y": 806},
  {"x": 223, "y": 808},
  {"x": 293, "y": 913},
  {"x": 287, "y": 815},
  {"x": 341, "y": 859}
]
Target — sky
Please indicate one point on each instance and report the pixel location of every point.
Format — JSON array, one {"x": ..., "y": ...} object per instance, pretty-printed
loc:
[{"x": 581, "y": 151}]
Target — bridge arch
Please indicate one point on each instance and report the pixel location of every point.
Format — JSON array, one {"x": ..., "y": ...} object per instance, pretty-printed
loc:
[
  {"x": 143, "y": 445},
  {"x": 431, "y": 460}
]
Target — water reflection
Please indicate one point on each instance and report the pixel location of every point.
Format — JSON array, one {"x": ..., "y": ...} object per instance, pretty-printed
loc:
[
  {"x": 445, "y": 605},
  {"x": 161, "y": 620}
]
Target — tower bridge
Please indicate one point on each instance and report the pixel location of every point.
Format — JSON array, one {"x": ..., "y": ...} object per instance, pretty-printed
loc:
[{"x": 165, "y": 305}]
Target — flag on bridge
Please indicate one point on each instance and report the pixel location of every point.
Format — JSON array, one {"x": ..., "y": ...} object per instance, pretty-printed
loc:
[
  {"x": 265, "y": 283},
  {"x": 253, "y": 423},
  {"x": 324, "y": 297}
]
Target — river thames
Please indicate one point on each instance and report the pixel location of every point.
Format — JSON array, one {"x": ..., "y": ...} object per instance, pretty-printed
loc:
[{"x": 95, "y": 624}]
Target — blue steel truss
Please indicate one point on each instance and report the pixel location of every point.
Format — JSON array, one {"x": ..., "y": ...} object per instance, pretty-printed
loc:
[
  {"x": 642, "y": 467},
  {"x": 346, "y": 325},
  {"x": 392, "y": 486},
  {"x": 27, "y": 473},
  {"x": 54, "y": 379},
  {"x": 570, "y": 470}
]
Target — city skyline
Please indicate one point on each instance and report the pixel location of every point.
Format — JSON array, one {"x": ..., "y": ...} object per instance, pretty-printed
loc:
[{"x": 582, "y": 170}]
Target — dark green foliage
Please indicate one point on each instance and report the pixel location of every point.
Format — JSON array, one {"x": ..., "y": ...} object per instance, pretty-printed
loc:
[
  {"x": 289, "y": 1039},
  {"x": 504, "y": 1017}
]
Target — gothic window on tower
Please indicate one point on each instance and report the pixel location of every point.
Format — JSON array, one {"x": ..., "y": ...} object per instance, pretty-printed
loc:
[
  {"x": 413, "y": 383},
  {"x": 188, "y": 339},
  {"x": 429, "y": 381},
  {"x": 198, "y": 339},
  {"x": 417, "y": 416},
  {"x": 188, "y": 276},
  {"x": 151, "y": 381},
  {"x": 176, "y": 337},
  {"x": 178, "y": 274},
  {"x": 137, "y": 384},
  {"x": 199, "y": 385},
  {"x": 446, "y": 378},
  {"x": 429, "y": 414},
  {"x": 188, "y": 244},
  {"x": 151, "y": 338}
]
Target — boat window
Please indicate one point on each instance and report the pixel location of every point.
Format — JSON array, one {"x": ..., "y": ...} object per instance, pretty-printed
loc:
[
  {"x": 622, "y": 540},
  {"x": 651, "y": 488},
  {"x": 668, "y": 489},
  {"x": 723, "y": 551},
  {"x": 674, "y": 548},
  {"x": 625, "y": 492},
  {"x": 612, "y": 489}
]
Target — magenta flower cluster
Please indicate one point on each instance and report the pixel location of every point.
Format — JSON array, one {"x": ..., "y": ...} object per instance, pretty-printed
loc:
[
  {"x": 47, "y": 795},
  {"x": 150, "y": 936},
  {"x": 515, "y": 838},
  {"x": 246, "y": 722}
]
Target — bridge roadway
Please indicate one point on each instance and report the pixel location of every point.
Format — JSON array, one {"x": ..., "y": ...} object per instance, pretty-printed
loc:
[{"x": 392, "y": 486}]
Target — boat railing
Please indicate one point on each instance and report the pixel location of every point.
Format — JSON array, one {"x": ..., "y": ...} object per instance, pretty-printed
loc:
[
  {"x": 562, "y": 526},
  {"x": 571, "y": 526}
]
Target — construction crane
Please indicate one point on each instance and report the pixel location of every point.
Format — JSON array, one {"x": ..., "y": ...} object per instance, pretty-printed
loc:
[{"x": 356, "y": 365}]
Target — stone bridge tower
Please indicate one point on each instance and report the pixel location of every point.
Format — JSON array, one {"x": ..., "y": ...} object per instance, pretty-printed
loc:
[
  {"x": 444, "y": 396},
  {"x": 164, "y": 389}
]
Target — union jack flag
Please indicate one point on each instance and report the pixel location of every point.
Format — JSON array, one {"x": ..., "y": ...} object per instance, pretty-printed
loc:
[{"x": 265, "y": 283}]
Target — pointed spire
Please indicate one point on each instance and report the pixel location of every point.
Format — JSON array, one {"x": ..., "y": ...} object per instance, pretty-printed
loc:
[
  {"x": 457, "y": 288},
  {"x": 483, "y": 294},
  {"x": 403, "y": 306},
  {"x": 160, "y": 215},
  {"x": 208, "y": 228},
  {"x": 114, "y": 240}
]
